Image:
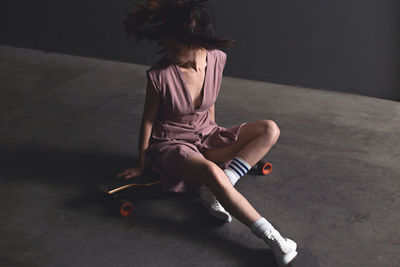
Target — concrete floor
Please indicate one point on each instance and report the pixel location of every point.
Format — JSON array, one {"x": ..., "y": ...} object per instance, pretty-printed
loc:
[{"x": 68, "y": 122}]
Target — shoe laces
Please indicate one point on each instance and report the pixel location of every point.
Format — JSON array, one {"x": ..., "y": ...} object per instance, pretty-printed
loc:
[
  {"x": 275, "y": 236},
  {"x": 217, "y": 205},
  {"x": 212, "y": 200}
]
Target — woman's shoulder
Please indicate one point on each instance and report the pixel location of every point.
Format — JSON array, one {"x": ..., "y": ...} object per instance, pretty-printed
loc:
[
  {"x": 159, "y": 73},
  {"x": 218, "y": 52},
  {"x": 160, "y": 65},
  {"x": 220, "y": 57},
  {"x": 160, "y": 69}
]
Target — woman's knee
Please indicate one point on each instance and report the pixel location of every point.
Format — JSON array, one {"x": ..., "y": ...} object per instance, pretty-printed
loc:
[
  {"x": 215, "y": 177},
  {"x": 271, "y": 130},
  {"x": 204, "y": 171}
]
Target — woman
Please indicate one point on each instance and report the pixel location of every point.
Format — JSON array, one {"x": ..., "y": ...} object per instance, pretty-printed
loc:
[{"x": 178, "y": 132}]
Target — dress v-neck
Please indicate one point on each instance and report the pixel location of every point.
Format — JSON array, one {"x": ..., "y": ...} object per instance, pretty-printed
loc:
[{"x": 186, "y": 89}]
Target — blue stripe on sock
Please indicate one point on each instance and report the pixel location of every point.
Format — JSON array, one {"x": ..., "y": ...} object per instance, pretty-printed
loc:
[
  {"x": 233, "y": 168},
  {"x": 241, "y": 163},
  {"x": 240, "y": 168}
]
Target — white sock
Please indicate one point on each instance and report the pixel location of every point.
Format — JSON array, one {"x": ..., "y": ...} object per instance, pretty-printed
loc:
[
  {"x": 284, "y": 249},
  {"x": 236, "y": 169},
  {"x": 260, "y": 227}
]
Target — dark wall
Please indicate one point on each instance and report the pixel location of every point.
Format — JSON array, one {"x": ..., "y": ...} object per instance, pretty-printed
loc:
[{"x": 341, "y": 45}]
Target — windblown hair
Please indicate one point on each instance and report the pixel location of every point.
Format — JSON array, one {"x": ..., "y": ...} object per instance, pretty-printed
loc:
[{"x": 186, "y": 21}]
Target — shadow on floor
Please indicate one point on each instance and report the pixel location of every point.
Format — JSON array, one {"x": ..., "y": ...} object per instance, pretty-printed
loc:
[{"x": 75, "y": 177}]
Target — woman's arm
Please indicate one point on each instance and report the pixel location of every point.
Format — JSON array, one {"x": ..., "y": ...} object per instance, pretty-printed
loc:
[
  {"x": 211, "y": 110},
  {"x": 151, "y": 106},
  {"x": 149, "y": 114}
]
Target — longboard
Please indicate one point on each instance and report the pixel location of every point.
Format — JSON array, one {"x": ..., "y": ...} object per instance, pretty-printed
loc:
[{"x": 115, "y": 188}]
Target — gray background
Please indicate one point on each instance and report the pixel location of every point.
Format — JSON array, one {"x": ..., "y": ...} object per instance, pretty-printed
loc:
[{"x": 347, "y": 46}]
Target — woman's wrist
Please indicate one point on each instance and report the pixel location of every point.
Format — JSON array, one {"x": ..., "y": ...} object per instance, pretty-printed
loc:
[
  {"x": 142, "y": 167},
  {"x": 142, "y": 164},
  {"x": 142, "y": 159}
]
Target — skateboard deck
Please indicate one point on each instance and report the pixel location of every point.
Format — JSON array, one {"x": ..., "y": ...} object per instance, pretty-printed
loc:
[{"x": 115, "y": 189}]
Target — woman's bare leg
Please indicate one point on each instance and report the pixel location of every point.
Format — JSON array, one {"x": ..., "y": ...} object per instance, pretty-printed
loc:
[
  {"x": 257, "y": 148},
  {"x": 252, "y": 146},
  {"x": 254, "y": 141},
  {"x": 201, "y": 170}
]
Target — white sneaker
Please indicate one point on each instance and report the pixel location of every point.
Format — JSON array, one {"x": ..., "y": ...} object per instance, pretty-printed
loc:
[
  {"x": 284, "y": 249},
  {"x": 210, "y": 202}
]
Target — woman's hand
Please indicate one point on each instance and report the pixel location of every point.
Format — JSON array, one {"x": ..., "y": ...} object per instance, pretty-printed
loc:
[{"x": 130, "y": 173}]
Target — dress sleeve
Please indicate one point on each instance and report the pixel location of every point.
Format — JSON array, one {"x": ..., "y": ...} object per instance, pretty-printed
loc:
[
  {"x": 151, "y": 77},
  {"x": 222, "y": 59}
]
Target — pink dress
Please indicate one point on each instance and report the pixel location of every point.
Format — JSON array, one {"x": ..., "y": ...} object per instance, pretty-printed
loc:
[{"x": 180, "y": 129}]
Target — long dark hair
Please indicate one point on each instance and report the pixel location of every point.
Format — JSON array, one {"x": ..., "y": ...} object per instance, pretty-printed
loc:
[{"x": 186, "y": 21}]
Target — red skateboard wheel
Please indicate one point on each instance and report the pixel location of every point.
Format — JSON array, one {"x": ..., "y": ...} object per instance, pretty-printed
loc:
[
  {"x": 261, "y": 168},
  {"x": 126, "y": 208},
  {"x": 267, "y": 168}
]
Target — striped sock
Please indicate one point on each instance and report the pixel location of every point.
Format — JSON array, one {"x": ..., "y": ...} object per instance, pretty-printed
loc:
[{"x": 236, "y": 169}]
